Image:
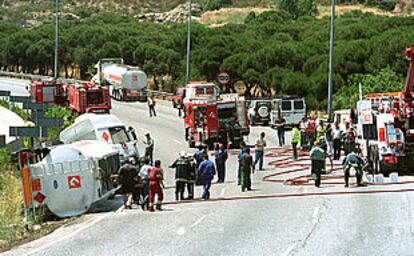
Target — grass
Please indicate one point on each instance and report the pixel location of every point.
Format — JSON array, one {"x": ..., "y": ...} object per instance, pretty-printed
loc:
[{"x": 11, "y": 217}]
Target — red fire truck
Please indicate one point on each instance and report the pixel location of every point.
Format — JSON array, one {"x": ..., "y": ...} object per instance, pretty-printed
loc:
[
  {"x": 86, "y": 97},
  {"x": 48, "y": 92},
  {"x": 80, "y": 97},
  {"x": 386, "y": 127},
  {"x": 211, "y": 117}
]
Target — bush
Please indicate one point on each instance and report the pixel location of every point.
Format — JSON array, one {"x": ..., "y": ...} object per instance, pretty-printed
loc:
[
  {"x": 56, "y": 112},
  {"x": 387, "y": 5},
  {"x": 212, "y": 5}
]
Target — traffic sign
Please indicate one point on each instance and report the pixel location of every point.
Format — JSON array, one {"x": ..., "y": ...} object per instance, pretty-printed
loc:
[
  {"x": 4, "y": 93},
  {"x": 20, "y": 99},
  {"x": 33, "y": 132},
  {"x": 223, "y": 78}
]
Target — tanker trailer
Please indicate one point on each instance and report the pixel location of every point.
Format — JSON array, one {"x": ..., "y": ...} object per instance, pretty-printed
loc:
[
  {"x": 126, "y": 83},
  {"x": 73, "y": 177}
]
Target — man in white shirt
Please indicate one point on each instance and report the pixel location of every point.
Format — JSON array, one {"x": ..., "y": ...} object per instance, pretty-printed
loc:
[
  {"x": 259, "y": 151},
  {"x": 143, "y": 174}
]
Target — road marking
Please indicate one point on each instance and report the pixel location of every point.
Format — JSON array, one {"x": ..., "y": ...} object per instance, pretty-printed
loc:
[
  {"x": 199, "y": 221},
  {"x": 142, "y": 129},
  {"x": 72, "y": 234},
  {"x": 315, "y": 212},
  {"x": 288, "y": 251},
  {"x": 222, "y": 192},
  {"x": 177, "y": 141}
]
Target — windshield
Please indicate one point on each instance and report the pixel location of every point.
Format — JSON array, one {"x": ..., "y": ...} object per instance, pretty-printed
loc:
[
  {"x": 95, "y": 98},
  {"x": 205, "y": 91},
  {"x": 392, "y": 135},
  {"x": 119, "y": 135}
]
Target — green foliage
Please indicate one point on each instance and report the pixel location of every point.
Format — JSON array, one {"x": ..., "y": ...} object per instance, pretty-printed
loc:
[
  {"x": 212, "y": 5},
  {"x": 298, "y": 8},
  {"x": 386, "y": 80},
  {"x": 388, "y": 5},
  {"x": 250, "y": 17},
  {"x": 56, "y": 112}
]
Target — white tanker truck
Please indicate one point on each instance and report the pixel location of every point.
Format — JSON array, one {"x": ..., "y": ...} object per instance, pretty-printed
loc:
[{"x": 126, "y": 83}]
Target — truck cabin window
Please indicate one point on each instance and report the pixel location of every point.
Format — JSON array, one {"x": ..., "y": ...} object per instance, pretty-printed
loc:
[{"x": 119, "y": 135}]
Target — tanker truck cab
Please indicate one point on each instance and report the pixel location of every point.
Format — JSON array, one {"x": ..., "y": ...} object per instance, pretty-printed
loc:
[{"x": 104, "y": 127}]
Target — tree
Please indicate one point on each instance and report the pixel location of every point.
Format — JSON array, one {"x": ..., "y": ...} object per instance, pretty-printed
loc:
[{"x": 299, "y": 8}]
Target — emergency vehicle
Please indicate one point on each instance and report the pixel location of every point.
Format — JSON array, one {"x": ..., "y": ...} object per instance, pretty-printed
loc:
[
  {"x": 211, "y": 117},
  {"x": 80, "y": 97},
  {"x": 86, "y": 97},
  {"x": 386, "y": 127}
]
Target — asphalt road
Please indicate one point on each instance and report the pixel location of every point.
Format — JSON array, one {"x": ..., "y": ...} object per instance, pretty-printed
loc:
[{"x": 358, "y": 224}]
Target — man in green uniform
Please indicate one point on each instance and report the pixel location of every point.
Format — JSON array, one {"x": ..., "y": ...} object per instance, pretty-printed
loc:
[
  {"x": 246, "y": 168},
  {"x": 318, "y": 158}
]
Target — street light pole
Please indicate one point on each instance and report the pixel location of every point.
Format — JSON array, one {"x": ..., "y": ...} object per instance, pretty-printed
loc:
[
  {"x": 56, "y": 71},
  {"x": 187, "y": 80},
  {"x": 330, "y": 82}
]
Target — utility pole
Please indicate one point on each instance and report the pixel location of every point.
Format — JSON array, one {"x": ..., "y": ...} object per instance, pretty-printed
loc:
[
  {"x": 330, "y": 82},
  {"x": 56, "y": 70},
  {"x": 187, "y": 79}
]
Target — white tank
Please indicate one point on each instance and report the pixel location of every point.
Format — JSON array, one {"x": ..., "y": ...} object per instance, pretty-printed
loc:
[
  {"x": 124, "y": 76},
  {"x": 71, "y": 179}
]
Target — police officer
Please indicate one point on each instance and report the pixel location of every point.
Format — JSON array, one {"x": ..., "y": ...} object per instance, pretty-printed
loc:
[{"x": 183, "y": 168}]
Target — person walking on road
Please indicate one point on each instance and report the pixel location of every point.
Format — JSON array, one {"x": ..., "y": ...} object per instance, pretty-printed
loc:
[
  {"x": 337, "y": 137},
  {"x": 311, "y": 133},
  {"x": 182, "y": 172},
  {"x": 318, "y": 158},
  {"x": 246, "y": 168},
  {"x": 127, "y": 178},
  {"x": 191, "y": 177},
  {"x": 206, "y": 171},
  {"x": 296, "y": 139},
  {"x": 143, "y": 174},
  {"x": 198, "y": 156},
  {"x": 259, "y": 153},
  {"x": 320, "y": 131},
  {"x": 156, "y": 177},
  {"x": 329, "y": 139},
  {"x": 280, "y": 124},
  {"x": 151, "y": 106},
  {"x": 149, "y": 147},
  {"x": 221, "y": 158},
  {"x": 303, "y": 125},
  {"x": 349, "y": 141}
]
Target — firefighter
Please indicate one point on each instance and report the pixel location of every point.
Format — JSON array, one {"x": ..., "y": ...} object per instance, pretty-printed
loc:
[
  {"x": 296, "y": 139},
  {"x": 127, "y": 179},
  {"x": 221, "y": 158},
  {"x": 143, "y": 174},
  {"x": 182, "y": 171},
  {"x": 353, "y": 160},
  {"x": 149, "y": 147},
  {"x": 156, "y": 177},
  {"x": 206, "y": 171},
  {"x": 318, "y": 158},
  {"x": 191, "y": 177},
  {"x": 246, "y": 168}
]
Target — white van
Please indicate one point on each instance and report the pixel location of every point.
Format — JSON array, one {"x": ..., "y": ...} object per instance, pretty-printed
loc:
[
  {"x": 106, "y": 128},
  {"x": 292, "y": 108}
]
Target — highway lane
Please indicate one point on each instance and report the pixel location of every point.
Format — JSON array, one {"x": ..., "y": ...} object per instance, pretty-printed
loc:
[
  {"x": 379, "y": 224},
  {"x": 16, "y": 86}
]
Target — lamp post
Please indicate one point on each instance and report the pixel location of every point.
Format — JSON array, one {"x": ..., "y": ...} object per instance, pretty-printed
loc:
[
  {"x": 330, "y": 82},
  {"x": 187, "y": 79},
  {"x": 56, "y": 70}
]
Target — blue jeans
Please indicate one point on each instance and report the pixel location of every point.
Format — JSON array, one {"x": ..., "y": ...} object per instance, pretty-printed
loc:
[
  {"x": 206, "y": 186},
  {"x": 145, "y": 185},
  {"x": 259, "y": 158}
]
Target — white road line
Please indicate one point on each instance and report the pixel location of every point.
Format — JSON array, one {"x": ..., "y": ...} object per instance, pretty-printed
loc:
[
  {"x": 199, "y": 221},
  {"x": 222, "y": 192},
  {"x": 177, "y": 141},
  {"x": 315, "y": 212},
  {"x": 288, "y": 251},
  {"x": 74, "y": 233}
]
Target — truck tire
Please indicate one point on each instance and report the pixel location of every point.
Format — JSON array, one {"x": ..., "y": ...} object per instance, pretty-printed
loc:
[{"x": 263, "y": 112}]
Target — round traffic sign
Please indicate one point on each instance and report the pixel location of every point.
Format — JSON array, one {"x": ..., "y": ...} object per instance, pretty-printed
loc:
[{"x": 223, "y": 78}]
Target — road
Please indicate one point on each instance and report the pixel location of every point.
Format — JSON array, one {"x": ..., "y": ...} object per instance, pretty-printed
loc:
[{"x": 356, "y": 224}]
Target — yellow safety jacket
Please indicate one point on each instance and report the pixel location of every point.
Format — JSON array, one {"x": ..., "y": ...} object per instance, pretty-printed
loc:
[{"x": 295, "y": 135}]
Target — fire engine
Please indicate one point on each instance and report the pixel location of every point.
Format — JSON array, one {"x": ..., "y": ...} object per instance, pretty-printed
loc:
[
  {"x": 210, "y": 117},
  {"x": 88, "y": 98},
  {"x": 80, "y": 97},
  {"x": 386, "y": 127},
  {"x": 48, "y": 92}
]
